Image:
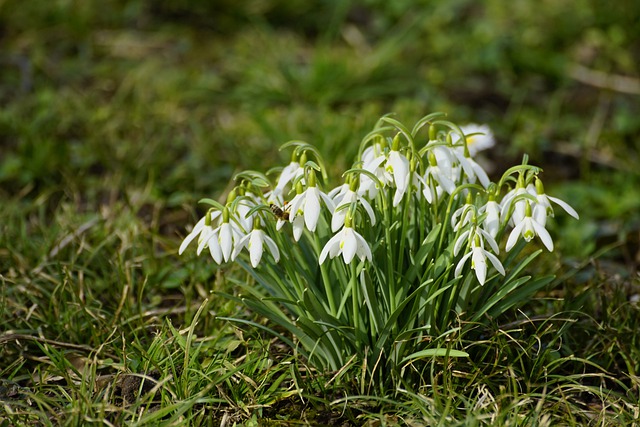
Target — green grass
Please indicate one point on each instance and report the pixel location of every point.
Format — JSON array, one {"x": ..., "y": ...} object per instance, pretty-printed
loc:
[{"x": 116, "y": 118}]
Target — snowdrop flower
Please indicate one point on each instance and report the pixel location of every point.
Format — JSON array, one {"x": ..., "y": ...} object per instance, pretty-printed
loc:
[
  {"x": 339, "y": 192},
  {"x": 397, "y": 166},
  {"x": 306, "y": 204},
  {"x": 342, "y": 203},
  {"x": 203, "y": 230},
  {"x": 373, "y": 160},
  {"x": 442, "y": 174},
  {"x": 289, "y": 173},
  {"x": 543, "y": 208},
  {"x": 480, "y": 137},
  {"x": 491, "y": 222},
  {"x": 519, "y": 203},
  {"x": 243, "y": 208},
  {"x": 472, "y": 169},
  {"x": 528, "y": 228},
  {"x": 431, "y": 189},
  {"x": 226, "y": 237},
  {"x": 373, "y": 152},
  {"x": 255, "y": 243},
  {"x": 466, "y": 213},
  {"x": 478, "y": 253},
  {"x": 347, "y": 242}
]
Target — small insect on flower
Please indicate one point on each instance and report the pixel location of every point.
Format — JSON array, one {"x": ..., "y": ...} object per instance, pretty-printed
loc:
[{"x": 280, "y": 213}]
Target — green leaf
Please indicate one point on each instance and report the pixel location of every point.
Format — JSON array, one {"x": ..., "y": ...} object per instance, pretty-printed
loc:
[{"x": 435, "y": 352}]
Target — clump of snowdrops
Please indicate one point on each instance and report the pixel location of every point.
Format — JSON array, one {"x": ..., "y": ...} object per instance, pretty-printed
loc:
[{"x": 382, "y": 269}]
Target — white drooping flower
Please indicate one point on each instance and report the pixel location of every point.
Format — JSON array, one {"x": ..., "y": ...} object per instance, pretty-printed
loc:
[
  {"x": 478, "y": 137},
  {"x": 431, "y": 190},
  {"x": 478, "y": 254},
  {"x": 397, "y": 166},
  {"x": 289, "y": 173},
  {"x": 519, "y": 198},
  {"x": 255, "y": 243},
  {"x": 306, "y": 204},
  {"x": 441, "y": 172},
  {"x": 347, "y": 242},
  {"x": 466, "y": 213},
  {"x": 243, "y": 208},
  {"x": 203, "y": 230},
  {"x": 491, "y": 222},
  {"x": 472, "y": 169},
  {"x": 528, "y": 228},
  {"x": 373, "y": 161},
  {"x": 389, "y": 168},
  {"x": 341, "y": 208},
  {"x": 543, "y": 208}
]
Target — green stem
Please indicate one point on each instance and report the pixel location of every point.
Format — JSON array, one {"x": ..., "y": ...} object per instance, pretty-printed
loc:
[
  {"x": 386, "y": 207},
  {"x": 325, "y": 278},
  {"x": 355, "y": 299}
]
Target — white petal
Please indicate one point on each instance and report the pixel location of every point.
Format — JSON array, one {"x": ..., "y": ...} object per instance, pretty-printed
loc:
[
  {"x": 295, "y": 204},
  {"x": 203, "y": 239},
  {"x": 196, "y": 230},
  {"x": 327, "y": 200},
  {"x": 481, "y": 174},
  {"x": 255, "y": 247},
  {"x": 298, "y": 226},
  {"x": 461, "y": 240},
  {"x": 479, "y": 264},
  {"x": 456, "y": 214},
  {"x": 489, "y": 238},
  {"x": 334, "y": 241},
  {"x": 492, "y": 220},
  {"x": 240, "y": 245},
  {"x": 540, "y": 214},
  {"x": 513, "y": 237},
  {"x": 446, "y": 183},
  {"x": 427, "y": 193},
  {"x": 461, "y": 264},
  {"x": 311, "y": 209},
  {"x": 369, "y": 210},
  {"x": 363, "y": 248},
  {"x": 272, "y": 247},
  {"x": 226, "y": 240},
  {"x": 214, "y": 250},
  {"x": 400, "y": 166},
  {"x": 565, "y": 206},
  {"x": 337, "y": 220},
  {"x": 496, "y": 262},
  {"x": 288, "y": 173},
  {"x": 349, "y": 245},
  {"x": 466, "y": 165},
  {"x": 544, "y": 235}
]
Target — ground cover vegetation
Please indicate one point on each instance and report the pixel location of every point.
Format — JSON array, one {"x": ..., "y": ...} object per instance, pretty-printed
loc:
[{"x": 117, "y": 117}]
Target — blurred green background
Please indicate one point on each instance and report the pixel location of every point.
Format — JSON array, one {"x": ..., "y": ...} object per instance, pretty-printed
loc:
[{"x": 159, "y": 102}]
